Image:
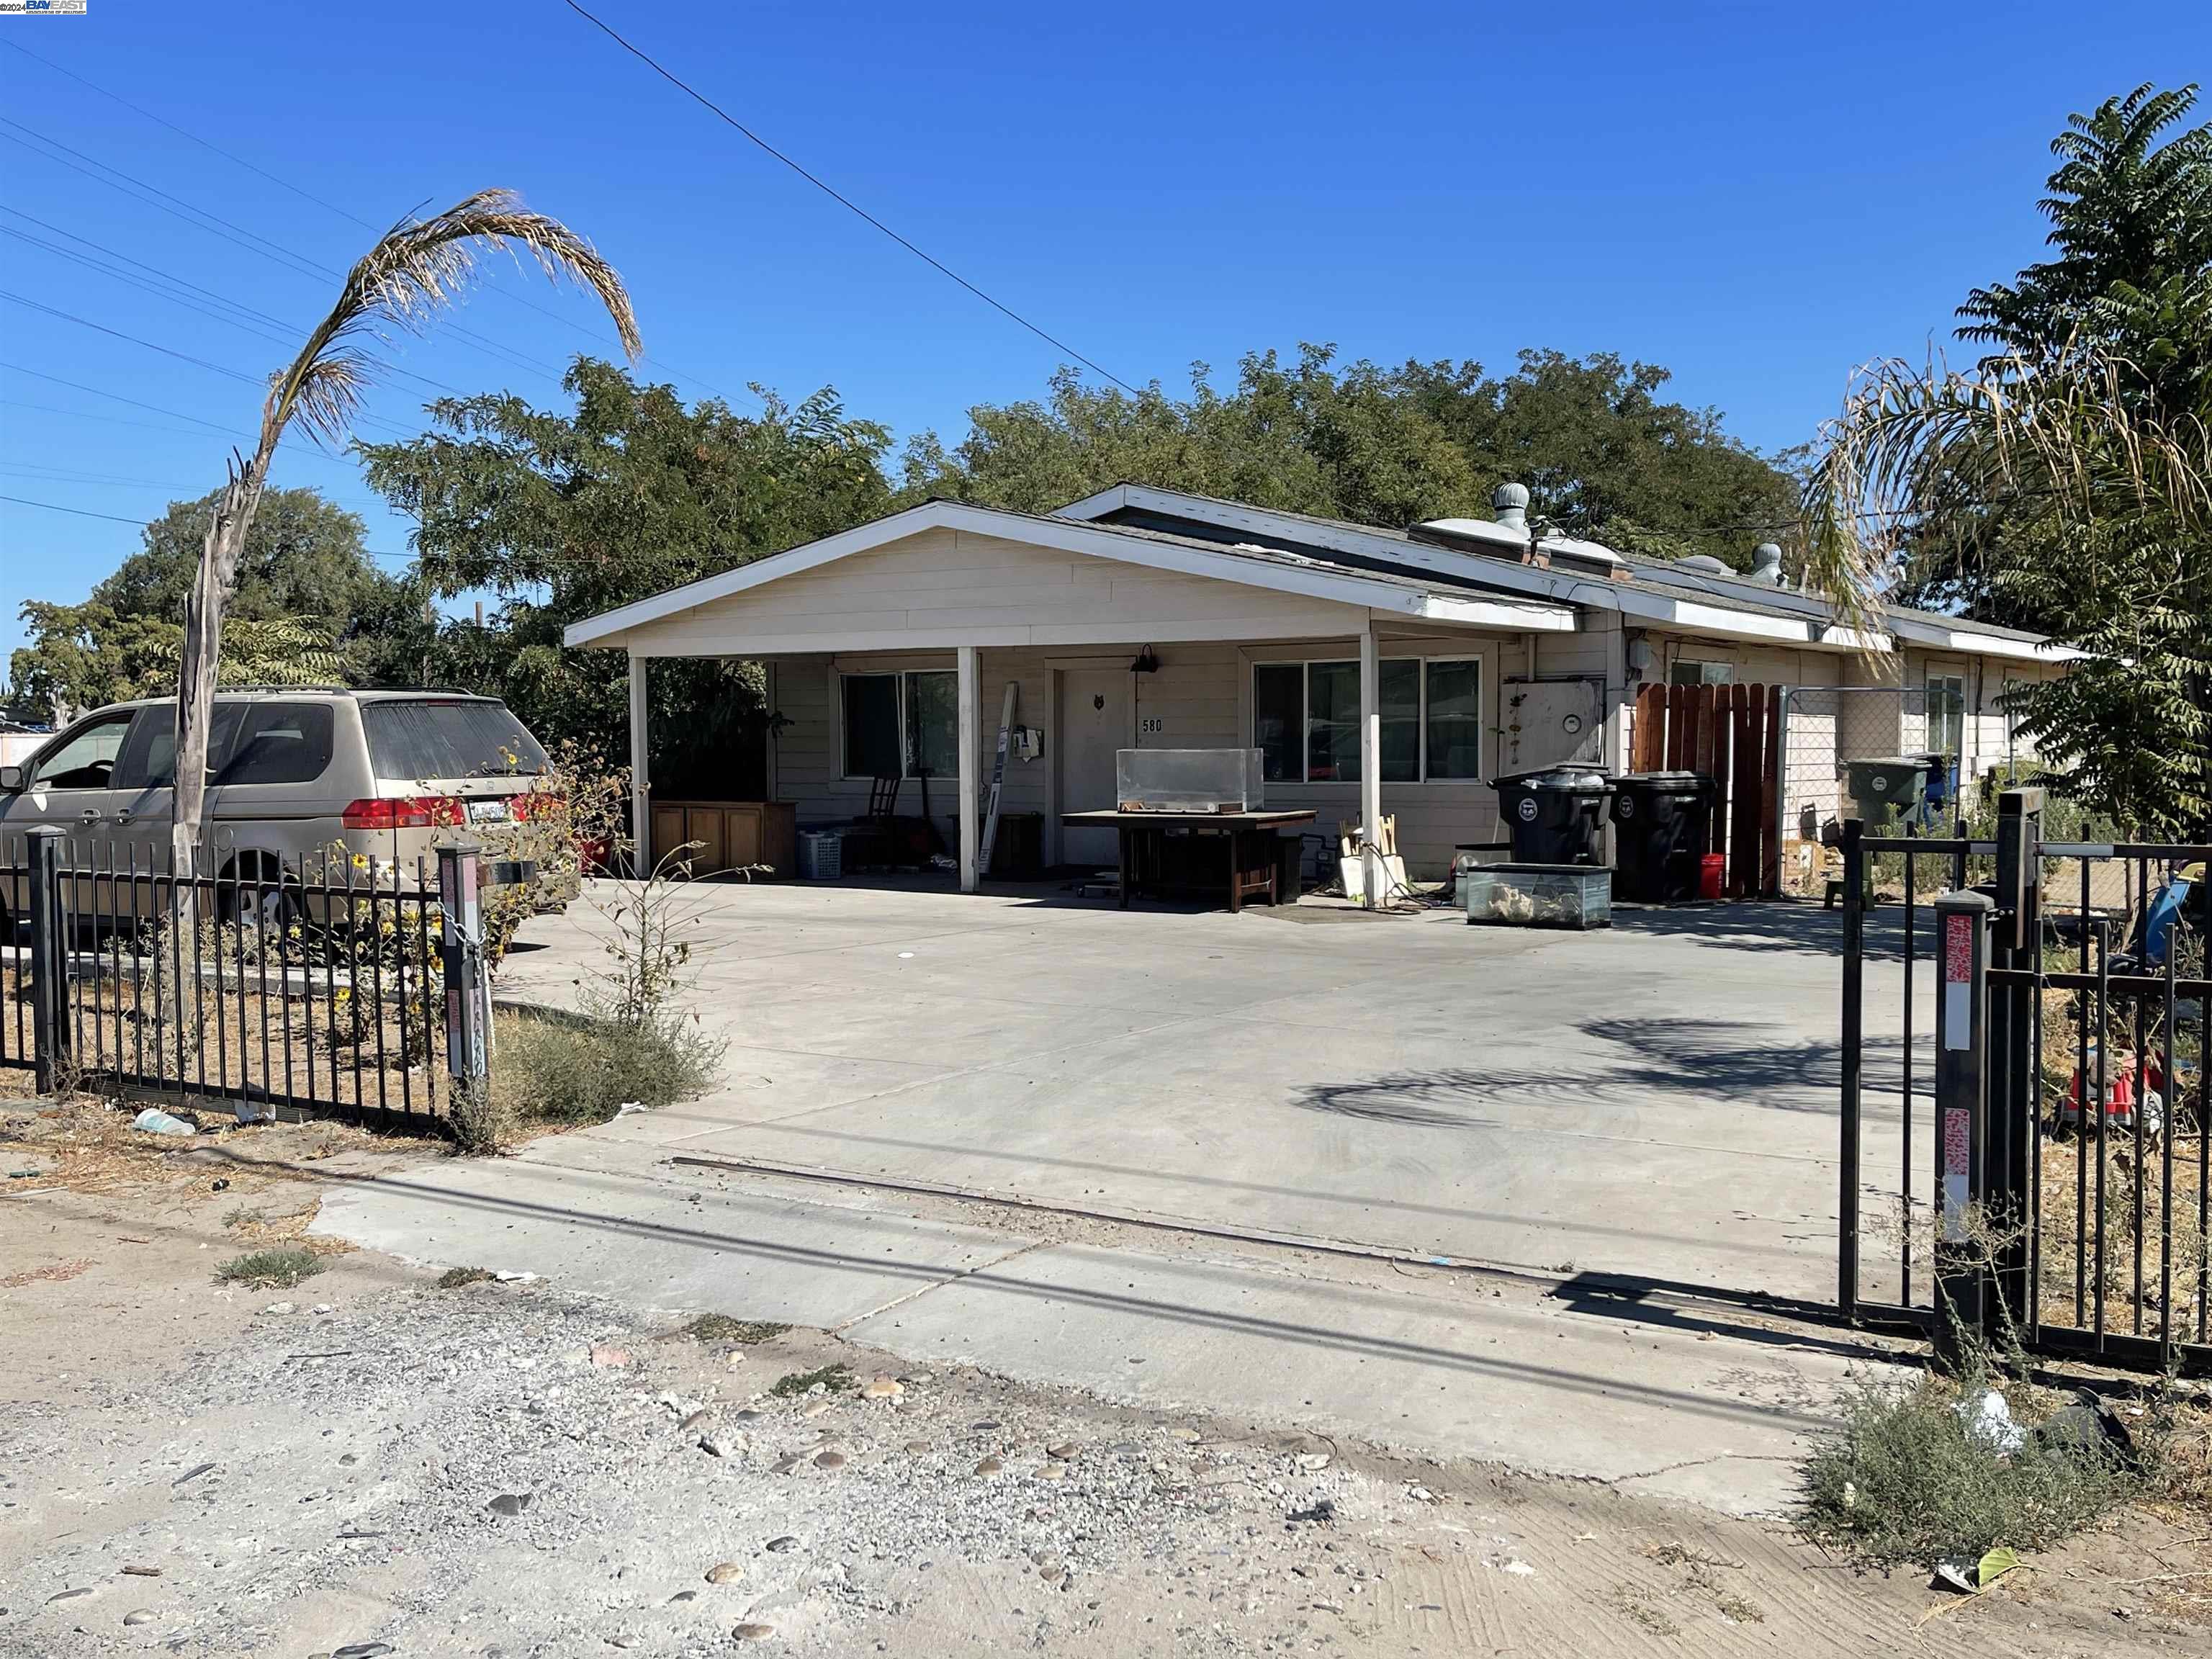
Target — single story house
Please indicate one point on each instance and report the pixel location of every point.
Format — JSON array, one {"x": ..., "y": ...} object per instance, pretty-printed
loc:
[{"x": 1379, "y": 671}]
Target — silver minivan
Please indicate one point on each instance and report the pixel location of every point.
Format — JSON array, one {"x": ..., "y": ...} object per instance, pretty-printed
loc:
[{"x": 297, "y": 779}]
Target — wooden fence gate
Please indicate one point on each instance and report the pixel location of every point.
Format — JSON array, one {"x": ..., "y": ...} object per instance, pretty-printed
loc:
[{"x": 1733, "y": 735}]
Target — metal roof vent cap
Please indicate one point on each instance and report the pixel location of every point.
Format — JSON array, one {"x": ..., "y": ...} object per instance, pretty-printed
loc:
[
  {"x": 1509, "y": 506},
  {"x": 1705, "y": 564},
  {"x": 1766, "y": 564}
]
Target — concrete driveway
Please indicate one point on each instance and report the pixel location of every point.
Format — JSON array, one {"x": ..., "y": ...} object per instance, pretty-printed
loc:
[{"x": 1656, "y": 1100}]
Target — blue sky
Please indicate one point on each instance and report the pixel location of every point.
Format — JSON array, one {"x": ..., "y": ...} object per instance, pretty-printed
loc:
[{"x": 1757, "y": 196}]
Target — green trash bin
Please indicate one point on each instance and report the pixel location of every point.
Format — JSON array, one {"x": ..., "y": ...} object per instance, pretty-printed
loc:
[{"x": 1886, "y": 788}]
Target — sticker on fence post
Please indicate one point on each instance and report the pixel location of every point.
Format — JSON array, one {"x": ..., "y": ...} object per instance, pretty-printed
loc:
[
  {"x": 1957, "y": 1011},
  {"x": 1958, "y": 1172}
]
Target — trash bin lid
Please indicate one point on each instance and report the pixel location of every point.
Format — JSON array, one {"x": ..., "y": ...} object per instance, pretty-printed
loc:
[
  {"x": 1582, "y": 780},
  {"x": 1664, "y": 781}
]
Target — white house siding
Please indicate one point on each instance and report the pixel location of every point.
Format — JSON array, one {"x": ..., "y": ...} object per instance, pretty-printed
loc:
[
  {"x": 939, "y": 588},
  {"x": 1200, "y": 695}
]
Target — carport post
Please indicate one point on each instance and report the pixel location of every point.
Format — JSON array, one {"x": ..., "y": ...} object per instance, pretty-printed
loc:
[
  {"x": 971, "y": 838},
  {"x": 1370, "y": 766},
  {"x": 640, "y": 782}
]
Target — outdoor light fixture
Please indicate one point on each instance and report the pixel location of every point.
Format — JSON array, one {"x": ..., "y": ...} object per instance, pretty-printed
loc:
[{"x": 1147, "y": 662}]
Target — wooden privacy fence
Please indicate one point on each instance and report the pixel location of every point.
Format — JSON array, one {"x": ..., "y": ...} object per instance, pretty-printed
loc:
[{"x": 1733, "y": 735}]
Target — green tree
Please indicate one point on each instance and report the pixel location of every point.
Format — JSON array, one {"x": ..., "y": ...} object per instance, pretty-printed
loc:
[
  {"x": 566, "y": 514},
  {"x": 304, "y": 557},
  {"x": 313, "y": 605},
  {"x": 2067, "y": 481},
  {"x": 2130, "y": 212},
  {"x": 1603, "y": 453}
]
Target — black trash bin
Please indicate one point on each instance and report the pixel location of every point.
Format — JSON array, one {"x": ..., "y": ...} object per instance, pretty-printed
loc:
[
  {"x": 1663, "y": 822},
  {"x": 1554, "y": 816},
  {"x": 1885, "y": 789}
]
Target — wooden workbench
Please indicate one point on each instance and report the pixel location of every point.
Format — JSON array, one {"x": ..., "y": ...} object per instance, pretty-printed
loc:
[{"x": 1252, "y": 840}]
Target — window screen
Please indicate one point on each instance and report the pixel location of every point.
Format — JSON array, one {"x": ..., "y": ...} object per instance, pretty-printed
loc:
[
  {"x": 1454, "y": 734},
  {"x": 427, "y": 738},
  {"x": 1398, "y": 688},
  {"x": 1333, "y": 722},
  {"x": 932, "y": 725}
]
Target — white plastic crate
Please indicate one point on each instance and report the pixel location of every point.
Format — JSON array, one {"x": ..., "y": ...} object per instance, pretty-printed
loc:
[{"x": 821, "y": 854}]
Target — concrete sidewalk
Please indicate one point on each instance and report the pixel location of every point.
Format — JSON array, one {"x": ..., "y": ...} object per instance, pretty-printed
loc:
[{"x": 1692, "y": 1400}]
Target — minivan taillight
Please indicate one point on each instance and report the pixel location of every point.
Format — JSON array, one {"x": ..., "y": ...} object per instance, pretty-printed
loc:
[{"x": 402, "y": 813}]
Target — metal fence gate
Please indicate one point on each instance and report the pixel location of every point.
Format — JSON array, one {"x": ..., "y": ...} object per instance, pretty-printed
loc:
[
  {"x": 2024, "y": 1105},
  {"x": 333, "y": 992}
]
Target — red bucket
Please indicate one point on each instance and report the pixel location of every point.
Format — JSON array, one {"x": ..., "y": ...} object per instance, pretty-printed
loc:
[{"x": 1712, "y": 877}]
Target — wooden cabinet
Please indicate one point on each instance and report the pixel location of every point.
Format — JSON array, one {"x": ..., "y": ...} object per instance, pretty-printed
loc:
[{"x": 730, "y": 834}]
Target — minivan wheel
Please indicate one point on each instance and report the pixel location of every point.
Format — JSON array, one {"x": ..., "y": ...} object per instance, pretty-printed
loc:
[{"x": 261, "y": 909}]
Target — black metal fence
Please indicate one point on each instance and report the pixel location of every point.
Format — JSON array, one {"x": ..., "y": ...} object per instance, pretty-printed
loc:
[
  {"x": 321, "y": 992},
  {"x": 2035, "y": 1160}
]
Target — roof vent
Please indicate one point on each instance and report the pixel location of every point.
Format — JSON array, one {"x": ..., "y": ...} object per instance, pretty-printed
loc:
[
  {"x": 1766, "y": 564},
  {"x": 1509, "y": 505},
  {"x": 1705, "y": 564}
]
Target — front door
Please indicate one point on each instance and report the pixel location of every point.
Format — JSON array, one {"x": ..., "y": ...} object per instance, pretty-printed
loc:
[{"x": 1094, "y": 725}]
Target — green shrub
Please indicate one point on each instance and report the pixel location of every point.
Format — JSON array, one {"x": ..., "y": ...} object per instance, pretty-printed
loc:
[
  {"x": 554, "y": 1068},
  {"x": 1901, "y": 1480},
  {"x": 266, "y": 1270}
]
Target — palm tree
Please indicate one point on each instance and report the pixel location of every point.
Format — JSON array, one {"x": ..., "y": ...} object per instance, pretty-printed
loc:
[
  {"x": 418, "y": 268},
  {"x": 2107, "y": 503}
]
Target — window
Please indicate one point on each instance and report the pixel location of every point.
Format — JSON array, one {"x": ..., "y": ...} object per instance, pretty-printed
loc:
[
  {"x": 1305, "y": 719},
  {"x": 279, "y": 743},
  {"x": 416, "y": 738},
  {"x": 1947, "y": 712},
  {"x": 1689, "y": 670},
  {"x": 84, "y": 759},
  {"x": 149, "y": 760},
  {"x": 902, "y": 725}
]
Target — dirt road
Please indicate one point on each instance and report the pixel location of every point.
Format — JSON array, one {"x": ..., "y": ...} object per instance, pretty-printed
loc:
[{"x": 369, "y": 1463}]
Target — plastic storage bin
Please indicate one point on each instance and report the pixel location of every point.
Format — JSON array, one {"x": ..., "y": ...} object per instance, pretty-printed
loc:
[
  {"x": 1537, "y": 895},
  {"x": 1188, "y": 779},
  {"x": 821, "y": 854}
]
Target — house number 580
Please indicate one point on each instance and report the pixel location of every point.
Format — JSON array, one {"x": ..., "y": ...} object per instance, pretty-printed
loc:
[{"x": 1152, "y": 726}]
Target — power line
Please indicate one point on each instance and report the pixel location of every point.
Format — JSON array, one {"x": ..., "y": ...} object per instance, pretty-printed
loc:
[
  {"x": 82, "y": 513},
  {"x": 215, "y": 225},
  {"x": 343, "y": 213},
  {"x": 844, "y": 201},
  {"x": 291, "y": 333},
  {"x": 183, "y": 356}
]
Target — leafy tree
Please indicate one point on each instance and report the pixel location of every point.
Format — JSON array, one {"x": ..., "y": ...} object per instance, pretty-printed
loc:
[
  {"x": 315, "y": 608},
  {"x": 81, "y": 656},
  {"x": 1604, "y": 455},
  {"x": 304, "y": 557},
  {"x": 564, "y": 515},
  {"x": 2131, "y": 230}
]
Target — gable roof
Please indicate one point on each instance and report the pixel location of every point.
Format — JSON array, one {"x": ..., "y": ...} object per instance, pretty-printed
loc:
[
  {"x": 1661, "y": 593},
  {"x": 1406, "y": 592}
]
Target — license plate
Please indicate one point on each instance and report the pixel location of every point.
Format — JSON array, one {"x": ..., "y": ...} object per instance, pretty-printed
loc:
[{"x": 488, "y": 810}]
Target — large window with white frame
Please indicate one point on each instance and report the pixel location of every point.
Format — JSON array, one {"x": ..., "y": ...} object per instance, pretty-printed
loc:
[
  {"x": 1305, "y": 719},
  {"x": 902, "y": 725}
]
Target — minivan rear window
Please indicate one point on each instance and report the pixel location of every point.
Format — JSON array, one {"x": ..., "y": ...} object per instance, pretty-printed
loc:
[{"x": 428, "y": 737}]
